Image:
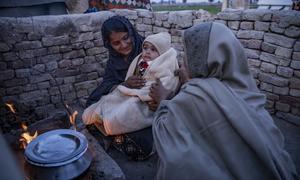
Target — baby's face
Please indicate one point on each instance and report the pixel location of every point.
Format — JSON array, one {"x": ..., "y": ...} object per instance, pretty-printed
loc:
[{"x": 149, "y": 52}]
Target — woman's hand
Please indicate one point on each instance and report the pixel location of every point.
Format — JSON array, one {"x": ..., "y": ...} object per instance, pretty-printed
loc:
[
  {"x": 158, "y": 92},
  {"x": 136, "y": 82},
  {"x": 152, "y": 105}
]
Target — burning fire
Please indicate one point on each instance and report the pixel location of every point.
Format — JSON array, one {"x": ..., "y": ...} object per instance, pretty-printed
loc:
[
  {"x": 26, "y": 138},
  {"x": 11, "y": 107},
  {"x": 72, "y": 117}
]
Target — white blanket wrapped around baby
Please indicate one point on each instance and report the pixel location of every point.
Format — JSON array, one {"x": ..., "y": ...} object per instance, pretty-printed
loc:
[{"x": 125, "y": 110}]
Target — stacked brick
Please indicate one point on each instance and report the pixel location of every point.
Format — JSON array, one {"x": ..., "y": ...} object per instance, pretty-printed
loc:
[{"x": 272, "y": 45}]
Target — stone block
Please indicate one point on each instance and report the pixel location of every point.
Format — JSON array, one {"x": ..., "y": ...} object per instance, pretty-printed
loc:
[
  {"x": 247, "y": 25},
  {"x": 295, "y": 92},
  {"x": 77, "y": 62},
  {"x": 279, "y": 40},
  {"x": 52, "y": 65},
  {"x": 10, "y": 56},
  {"x": 147, "y": 21},
  {"x": 266, "y": 87},
  {"x": 3, "y": 66},
  {"x": 43, "y": 85},
  {"x": 26, "y": 54},
  {"x": 65, "y": 48},
  {"x": 285, "y": 71},
  {"x": 284, "y": 52},
  {"x": 32, "y": 36},
  {"x": 268, "y": 67},
  {"x": 235, "y": 25},
  {"x": 85, "y": 85},
  {"x": 181, "y": 19},
  {"x": 143, "y": 27},
  {"x": 40, "y": 52},
  {"x": 281, "y": 90},
  {"x": 49, "y": 58},
  {"x": 6, "y": 75},
  {"x": 54, "y": 91},
  {"x": 38, "y": 69},
  {"x": 256, "y": 15},
  {"x": 92, "y": 75},
  {"x": 250, "y": 34},
  {"x": 69, "y": 80},
  {"x": 95, "y": 51},
  {"x": 81, "y": 93},
  {"x": 292, "y": 31},
  {"x": 14, "y": 90},
  {"x": 159, "y": 29},
  {"x": 276, "y": 29},
  {"x": 28, "y": 45},
  {"x": 251, "y": 43},
  {"x": 295, "y": 83},
  {"x": 267, "y": 47},
  {"x": 74, "y": 54},
  {"x": 273, "y": 79},
  {"x": 4, "y": 47},
  {"x": 161, "y": 15},
  {"x": 34, "y": 95},
  {"x": 261, "y": 26},
  {"x": 82, "y": 37},
  {"x": 252, "y": 54},
  {"x": 272, "y": 96},
  {"x": 282, "y": 107},
  {"x": 144, "y": 13},
  {"x": 166, "y": 24},
  {"x": 55, "y": 99},
  {"x": 89, "y": 59},
  {"x": 86, "y": 68},
  {"x": 254, "y": 62},
  {"x": 296, "y": 56},
  {"x": 65, "y": 63},
  {"x": 158, "y": 23},
  {"x": 130, "y": 14},
  {"x": 230, "y": 15},
  {"x": 22, "y": 73},
  {"x": 274, "y": 59},
  {"x": 55, "y": 41},
  {"x": 297, "y": 46},
  {"x": 40, "y": 78},
  {"x": 295, "y": 64},
  {"x": 53, "y": 50},
  {"x": 88, "y": 44}
]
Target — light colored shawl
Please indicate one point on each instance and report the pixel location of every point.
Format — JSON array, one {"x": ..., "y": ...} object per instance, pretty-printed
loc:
[
  {"x": 216, "y": 127},
  {"x": 125, "y": 110}
]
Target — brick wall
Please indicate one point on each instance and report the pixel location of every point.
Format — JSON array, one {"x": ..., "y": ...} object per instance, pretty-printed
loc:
[
  {"x": 272, "y": 44},
  {"x": 44, "y": 57}
]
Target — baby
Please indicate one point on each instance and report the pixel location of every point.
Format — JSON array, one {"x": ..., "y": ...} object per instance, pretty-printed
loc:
[{"x": 125, "y": 109}]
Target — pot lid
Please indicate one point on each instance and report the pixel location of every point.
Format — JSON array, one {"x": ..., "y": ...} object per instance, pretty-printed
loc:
[{"x": 55, "y": 148}]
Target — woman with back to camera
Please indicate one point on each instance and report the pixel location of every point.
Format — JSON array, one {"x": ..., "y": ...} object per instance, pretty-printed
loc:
[{"x": 216, "y": 127}]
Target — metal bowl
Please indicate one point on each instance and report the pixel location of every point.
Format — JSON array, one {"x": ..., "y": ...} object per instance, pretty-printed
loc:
[{"x": 57, "y": 154}]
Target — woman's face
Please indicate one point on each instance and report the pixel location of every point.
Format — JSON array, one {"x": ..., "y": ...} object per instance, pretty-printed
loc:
[{"x": 121, "y": 42}]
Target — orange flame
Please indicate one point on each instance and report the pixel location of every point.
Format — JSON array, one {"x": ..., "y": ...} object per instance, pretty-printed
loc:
[
  {"x": 73, "y": 118},
  {"x": 11, "y": 107},
  {"x": 26, "y": 138}
]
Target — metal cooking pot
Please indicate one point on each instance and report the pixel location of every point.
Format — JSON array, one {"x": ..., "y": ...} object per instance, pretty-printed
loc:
[{"x": 57, "y": 154}]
